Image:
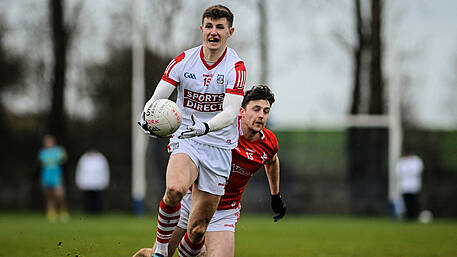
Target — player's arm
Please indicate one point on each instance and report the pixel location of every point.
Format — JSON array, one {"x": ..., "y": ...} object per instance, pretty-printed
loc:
[
  {"x": 277, "y": 203},
  {"x": 272, "y": 171},
  {"x": 165, "y": 87},
  {"x": 230, "y": 107},
  {"x": 232, "y": 100},
  {"x": 163, "y": 90}
]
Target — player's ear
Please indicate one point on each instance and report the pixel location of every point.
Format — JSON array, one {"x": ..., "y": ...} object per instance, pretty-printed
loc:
[
  {"x": 201, "y": 28},
  {"x": 242, "y": 111},
  {"x": 232, "y": 30}
]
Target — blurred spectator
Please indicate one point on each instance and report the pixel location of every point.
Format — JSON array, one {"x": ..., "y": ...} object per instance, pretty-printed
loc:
[
  {"x": 92, "y": 177},
  {"x": 51, "y": 158},
  {"x": 409, "y": 171}
]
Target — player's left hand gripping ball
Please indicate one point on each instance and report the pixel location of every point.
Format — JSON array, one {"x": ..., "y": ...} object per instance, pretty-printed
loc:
[
  {"x": 144, "y": 126},
  {"x": 197, "y": 128},
  {"x": 279, "y": 206}
]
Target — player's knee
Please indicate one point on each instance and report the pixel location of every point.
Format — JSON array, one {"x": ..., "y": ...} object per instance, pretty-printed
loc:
[
  {"x": 196, "y": 232},
  {"x": 174, "y": 194}
]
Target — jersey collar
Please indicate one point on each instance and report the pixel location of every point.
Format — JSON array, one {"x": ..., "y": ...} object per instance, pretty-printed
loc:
[{"x": 210, "y": 67}]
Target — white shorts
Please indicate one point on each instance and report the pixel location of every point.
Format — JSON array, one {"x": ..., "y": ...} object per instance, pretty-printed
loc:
[
  {"x": 213, "y": 163},
  {"x": 223, "y": 220}
]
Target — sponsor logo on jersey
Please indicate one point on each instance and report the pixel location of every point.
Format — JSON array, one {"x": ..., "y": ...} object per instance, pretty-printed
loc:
[
  {"x": 189, "y": 75},
  {"x": 220, "y": 79},
  {"x": 205, "y": 102},
  {"x": 207, "y": 79},
  {"x": 241, "y": 171}
]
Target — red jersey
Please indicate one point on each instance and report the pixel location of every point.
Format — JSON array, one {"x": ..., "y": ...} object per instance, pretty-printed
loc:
[{"x": 247, "y": 159}]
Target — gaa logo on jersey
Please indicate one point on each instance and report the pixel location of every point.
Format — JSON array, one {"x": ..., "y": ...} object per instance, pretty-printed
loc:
[
  {"x": 220, "y": 79},
  {"x": 189, "y": 75}
]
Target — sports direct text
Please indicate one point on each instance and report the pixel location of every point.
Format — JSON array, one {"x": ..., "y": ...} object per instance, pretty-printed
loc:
[{"x": 203, "y": 102}]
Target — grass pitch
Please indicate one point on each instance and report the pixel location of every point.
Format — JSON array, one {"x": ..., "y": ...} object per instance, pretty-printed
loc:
[{"x": 121, "y": 235}]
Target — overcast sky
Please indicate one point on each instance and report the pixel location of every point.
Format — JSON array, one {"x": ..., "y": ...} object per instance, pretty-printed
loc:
[{"x": 310, "y": 70}]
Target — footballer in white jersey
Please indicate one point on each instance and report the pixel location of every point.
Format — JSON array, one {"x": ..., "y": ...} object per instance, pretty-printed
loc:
[
  {"x": 201, "y": 90},
  {"x": 257, "y": 147},
  {"x": 210, "y": 82}
]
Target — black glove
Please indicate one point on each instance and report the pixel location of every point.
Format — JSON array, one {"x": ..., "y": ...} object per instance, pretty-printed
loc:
[
  {"x": 279, "y": 206},
  {"x": 144, "y": 126}
]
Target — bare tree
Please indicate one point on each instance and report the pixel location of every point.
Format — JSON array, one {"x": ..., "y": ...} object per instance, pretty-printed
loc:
[
  {"x": 376, "y": 82},
  {"x": 11, "y": 69},
  {"x": 62, "y": 33},
  {"x": 367, "y": 147}
]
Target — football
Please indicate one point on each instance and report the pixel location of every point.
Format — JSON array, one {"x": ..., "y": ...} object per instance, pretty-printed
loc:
[{"x": 163, "y": 117}]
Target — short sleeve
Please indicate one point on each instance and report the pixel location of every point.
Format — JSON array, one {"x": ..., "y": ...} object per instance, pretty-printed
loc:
[
  {"x": 237, "y": 79},
  {"x": 171, "y": 74}
]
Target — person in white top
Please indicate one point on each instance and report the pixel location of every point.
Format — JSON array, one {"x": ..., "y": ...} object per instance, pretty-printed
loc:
[
  {"x": 92, "y": 177},
  {"x": 409, "y": 171},
  {"x": 257, "y": 147},
  {"x": 210, "y": 81}
]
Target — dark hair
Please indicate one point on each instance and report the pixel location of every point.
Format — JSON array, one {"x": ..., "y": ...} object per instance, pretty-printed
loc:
[
  {"x": 217, "y": 12},
  {"x": 260, "y": 92}
]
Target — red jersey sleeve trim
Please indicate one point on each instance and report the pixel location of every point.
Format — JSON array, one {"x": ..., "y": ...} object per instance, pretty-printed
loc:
[
  {"x": 234, "y": 91},
  {"x": 171, "y": 65},
  {"x": 169, "y": 80},
  {"x": 240, "y": 80}
]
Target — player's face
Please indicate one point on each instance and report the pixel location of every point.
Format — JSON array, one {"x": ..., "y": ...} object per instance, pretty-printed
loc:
[
  {"x": 49, "y": 141},
  {"x": 215, "y": 33},
  {"x": 255, "y": 115}
]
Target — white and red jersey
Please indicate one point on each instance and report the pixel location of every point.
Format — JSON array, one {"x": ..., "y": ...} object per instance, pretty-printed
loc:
[
  {"x": 247, "y": 158},
  {"x": 201, "y": 90}
]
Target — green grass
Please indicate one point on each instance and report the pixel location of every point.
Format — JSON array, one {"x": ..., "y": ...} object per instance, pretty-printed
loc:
[{"x": 318, "y": 236}]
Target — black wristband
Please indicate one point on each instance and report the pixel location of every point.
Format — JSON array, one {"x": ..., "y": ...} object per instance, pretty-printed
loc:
[{"x": 206, "y": 128}]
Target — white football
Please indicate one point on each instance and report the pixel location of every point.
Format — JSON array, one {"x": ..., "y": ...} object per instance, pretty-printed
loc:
[{"x": 163, "y": 117}]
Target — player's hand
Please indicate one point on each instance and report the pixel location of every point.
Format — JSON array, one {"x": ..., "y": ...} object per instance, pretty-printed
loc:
[
  {"x": 145, "y": 252},
  {"x": 197, "y": 128},
  {"x": 144, "y": 126},
  {"x": 279, "y": 206}
]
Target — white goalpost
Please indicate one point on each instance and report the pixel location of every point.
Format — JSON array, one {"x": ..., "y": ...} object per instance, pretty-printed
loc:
[{"x": 139, "y": 142}]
